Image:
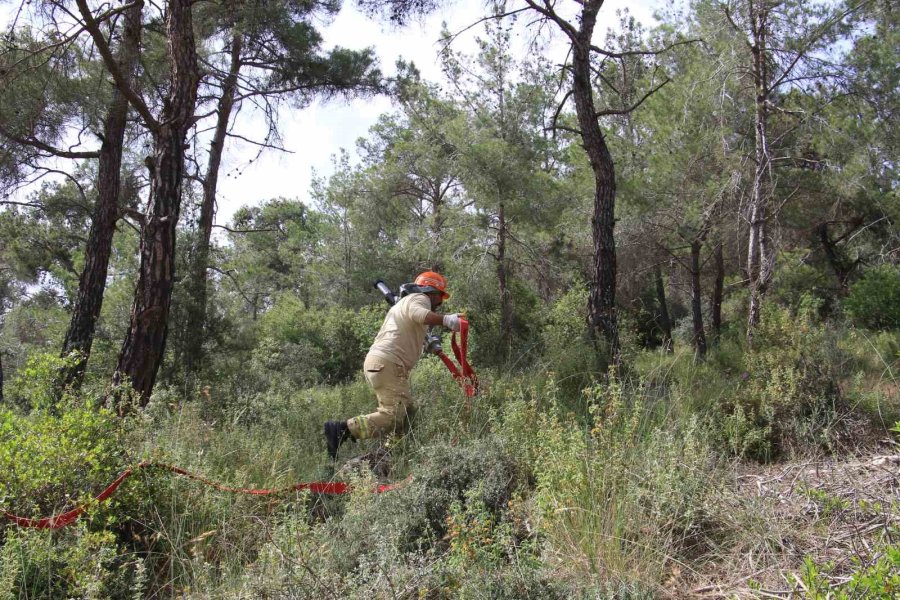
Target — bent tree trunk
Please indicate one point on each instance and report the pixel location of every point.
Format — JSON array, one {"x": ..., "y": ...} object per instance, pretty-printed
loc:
[
  {"x": 196, "y": 313},
  {"x": 89, "y": 301},
  {"x": 142, "y": 352},
  {"x": 602, "y": 299}
]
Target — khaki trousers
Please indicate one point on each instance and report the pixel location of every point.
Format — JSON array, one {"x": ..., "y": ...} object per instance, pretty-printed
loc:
[{"x": 396, "y": 408}]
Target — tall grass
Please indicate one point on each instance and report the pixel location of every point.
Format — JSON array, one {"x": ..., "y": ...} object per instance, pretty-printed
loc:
[{"x": 532, "y": 489}]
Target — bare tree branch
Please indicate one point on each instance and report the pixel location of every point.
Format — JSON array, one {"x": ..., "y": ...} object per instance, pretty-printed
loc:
[
  {"x": 547, "y": 11},
  {"x": 35, "y": 143},
  {"x": 260, "y": 144},
  {"x": 620, "y": 55},
  {"x": 113, "y": 66},
  {"x": 230, "y": 230},
  {"x": 625, "y": 111}
]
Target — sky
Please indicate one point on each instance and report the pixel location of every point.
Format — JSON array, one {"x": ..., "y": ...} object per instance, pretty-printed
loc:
[{"x": 315, "y": 134}]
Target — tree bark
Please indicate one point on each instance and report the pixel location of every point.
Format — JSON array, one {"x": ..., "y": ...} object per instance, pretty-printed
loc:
[
  {"x": 759, "y": 258},
  {"x": 718, "y": 291},
  {"x": 841, "y": 266},
  {"x": 145, "y": 342},
  {"x": 665, "y": 322},
  {"x": 196, "y": 314},
  {"x": 505, "y": 297},
  {"x": 696, "y": 304},
  {"x": 437, "y": 223},
  {"x": 89, "y": 301},
  {"x": 602, "y": 298}
]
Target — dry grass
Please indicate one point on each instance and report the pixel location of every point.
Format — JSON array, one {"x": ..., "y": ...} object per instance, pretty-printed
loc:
[{"x": 838, "y": 512}]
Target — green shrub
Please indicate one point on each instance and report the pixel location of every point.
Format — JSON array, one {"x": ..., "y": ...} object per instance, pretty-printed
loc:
[
  {"x": 795, "y": 279},
  {"x": 876, "y": 580},
  {"x": 788, "y": 399},
  {"x": 49, "y": 462},
  {"x": 874, "y": 300},
  {"x": 301, "y": 346},
  {"x": 568, "y": 352},
  {"x": 415, "y": 517},
  {"x": 54, "y": 457},
  {"x": 74, "y": 563},
  {"x": 619, "y": 497},
  {"x": 36, "y": 385}
]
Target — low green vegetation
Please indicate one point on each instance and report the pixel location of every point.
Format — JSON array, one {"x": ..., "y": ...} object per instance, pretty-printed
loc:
[
  {"x": 624, "y": 489},
  {"x": 678, "y": 257}
]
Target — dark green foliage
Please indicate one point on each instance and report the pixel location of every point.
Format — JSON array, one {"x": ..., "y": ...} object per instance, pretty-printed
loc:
[
  {"x": 314, "y": 345},
  {"x": 416, "y": 517},
  {"x": 874, "y": 300},
  {"x": 788, "y": 399}
]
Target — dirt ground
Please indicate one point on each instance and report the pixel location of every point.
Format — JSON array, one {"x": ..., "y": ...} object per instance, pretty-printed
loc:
[{"x": 840, "y": 513}]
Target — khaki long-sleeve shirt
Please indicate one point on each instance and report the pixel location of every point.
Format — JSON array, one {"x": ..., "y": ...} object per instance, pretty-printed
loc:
[{"x": 402, "y": 335}]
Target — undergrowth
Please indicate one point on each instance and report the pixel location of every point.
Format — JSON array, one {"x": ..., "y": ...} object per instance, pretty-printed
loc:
[{"x": 623, "y": 488}]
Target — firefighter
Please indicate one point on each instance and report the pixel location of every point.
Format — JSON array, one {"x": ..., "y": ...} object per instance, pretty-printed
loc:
[{"x": 393, "y": 354}]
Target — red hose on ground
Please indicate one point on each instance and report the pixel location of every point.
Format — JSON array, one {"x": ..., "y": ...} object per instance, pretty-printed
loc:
[
  {"x": 464, "y": 375},
  {"x": 61, "y": 520}
]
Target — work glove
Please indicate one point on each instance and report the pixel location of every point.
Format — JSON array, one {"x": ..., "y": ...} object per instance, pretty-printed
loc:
[{"x": 451, "y": 322}]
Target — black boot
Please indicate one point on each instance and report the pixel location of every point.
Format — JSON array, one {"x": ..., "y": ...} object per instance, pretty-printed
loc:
[{"x": 336, "y": 433}]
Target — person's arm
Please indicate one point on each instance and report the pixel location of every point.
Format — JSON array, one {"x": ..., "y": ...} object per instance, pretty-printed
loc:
[{"x": 451, "y": 321}]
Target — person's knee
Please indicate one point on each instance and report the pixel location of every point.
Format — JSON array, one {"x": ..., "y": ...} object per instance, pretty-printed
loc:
[{"x": 396, "y": 415}]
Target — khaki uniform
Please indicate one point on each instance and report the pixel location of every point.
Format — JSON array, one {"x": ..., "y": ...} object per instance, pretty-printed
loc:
[{"x": 395, "y": 351}]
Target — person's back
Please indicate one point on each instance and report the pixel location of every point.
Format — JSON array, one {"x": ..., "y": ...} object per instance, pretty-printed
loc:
[{"x": 402, "y": 334}]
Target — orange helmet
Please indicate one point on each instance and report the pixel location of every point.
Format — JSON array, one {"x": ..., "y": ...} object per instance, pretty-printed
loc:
[{"x": 429, "y": 281}]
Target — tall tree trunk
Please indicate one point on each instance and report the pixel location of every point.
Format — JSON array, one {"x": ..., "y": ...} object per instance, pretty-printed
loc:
[
  {"x": 505, "y": 297},
  {"x": 718, "y": 291},
  {"x": 1, "y": 377},
  {"x": 348, "y": 258},
  {"x": 89, "y": 301},
  {"x": 665, "y": 323},
  {"x": 196, "y": 317},
  {"x": 437, "y": 224},
  {"x": 696, "y": 304},
  {"x": 602, "y": 299},
  {"x": 759, "y": 257},
  {"x": 145, "y": 342}
]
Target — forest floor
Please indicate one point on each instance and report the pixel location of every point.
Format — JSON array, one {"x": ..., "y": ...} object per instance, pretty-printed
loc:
[{"x": 837, "y": 512}]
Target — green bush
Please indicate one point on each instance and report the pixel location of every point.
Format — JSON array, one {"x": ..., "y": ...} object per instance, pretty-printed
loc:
[
  {"x": 35, "y": 386},
  {"x": 445, "y": 476},
  {"x": 874, "y": 300},
  {"x": 74, "y": 563},
  {"x": 568, "y": 352},
  {"x": 301, "y": 346},
  {"x": 795, "y": 279},
  {"x": 877, "y": 580},
  {"x": 53, "y": 458},
  {"x": 788, "y": 400},
  {"x": 621, "y": 496}
]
